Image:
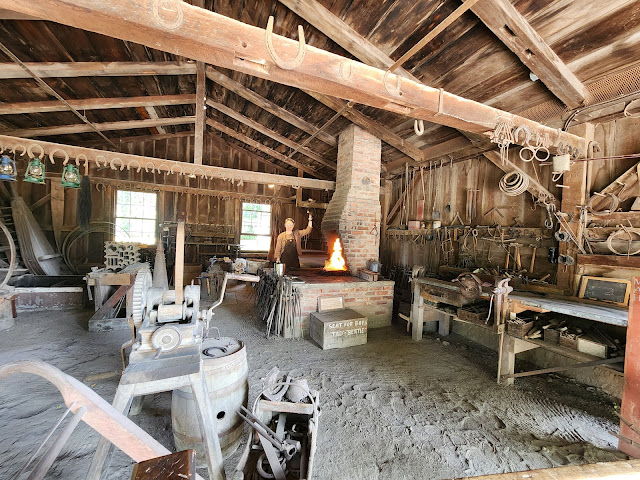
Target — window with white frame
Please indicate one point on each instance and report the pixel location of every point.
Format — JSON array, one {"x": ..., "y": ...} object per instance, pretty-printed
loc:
[
  {"x": 255, "y": 231},
  {"x": 136, "y": 217}
]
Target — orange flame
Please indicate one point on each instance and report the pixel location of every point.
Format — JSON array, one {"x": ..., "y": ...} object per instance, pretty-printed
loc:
[{"x": 337, "y": 261}]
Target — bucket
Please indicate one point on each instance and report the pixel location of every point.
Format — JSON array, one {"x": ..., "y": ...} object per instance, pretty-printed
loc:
[{"x": 226, "y": 370}]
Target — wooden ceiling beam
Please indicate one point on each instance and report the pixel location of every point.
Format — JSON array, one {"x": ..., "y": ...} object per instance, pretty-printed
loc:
[
  {"x": 186, "y": 31},
  {"x": 269, "y": 106},
  {"x": 433, "y": 152},
  {"x": 164, "y": 187},
  {"x": 96, "y": 69},
  {"x": 103, "y": 158},
  {"x": 263, "y": 148},
  {"x": 370, "y": 125},
  {"x": 269, "y": 133},
  {"x": 252, "y": 155},
  {"x": 190, "y": 133},
  {"x": 506, "y": 23},
  {"x": 138, "y": 138},
  {"x": 102, "y": 127},
  {"x": 201, "y": 113}
]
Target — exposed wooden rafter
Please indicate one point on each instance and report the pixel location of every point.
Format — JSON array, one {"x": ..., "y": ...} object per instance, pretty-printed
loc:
[
  {"x": 502, "y": 18},
  {"x": 102, "y": 127},
  {"x": 95, "y": 69},
  {"x": 242, "y": 47},
  {"x": 103, "y": 158},
  {"x": 263, "y": 148},
  {"x": 48, "y": 106},
  {"x": 345, "y": 36},
  {"x": 269, "y": 106},
  {"x": 201, "y": 113},
  {"x": 370, "y": 125},
  {"x": 269, "y": 133}
]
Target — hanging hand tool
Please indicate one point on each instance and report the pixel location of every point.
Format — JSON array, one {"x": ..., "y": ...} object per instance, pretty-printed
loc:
[
  {"x": 435, "y": 214},
  {"x": 533, "y": 257}
]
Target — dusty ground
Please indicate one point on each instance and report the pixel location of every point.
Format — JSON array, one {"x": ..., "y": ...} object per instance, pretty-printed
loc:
[{"x": 391, "y": 409}]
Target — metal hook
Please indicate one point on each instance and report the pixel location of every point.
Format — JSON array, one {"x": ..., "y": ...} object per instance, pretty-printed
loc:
[{"x": 302, "y": 48}]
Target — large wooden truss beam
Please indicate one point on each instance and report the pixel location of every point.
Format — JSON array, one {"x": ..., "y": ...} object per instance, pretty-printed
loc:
[
  {"x": 269, "y": 106},
  {"x": 506, "y": 23},
  {"x": 101, "y": 127},
  {"x": 96, "y": 69},
  {"x": 102, "y": 158},
  {"x": 187, "y": 30},
  {"x": 263, "y": 148},
  {"x": 49, "y": 106},
  {"x": 165, "y": 187},
  {"x": 269, "y": 133},
  {"x": 370, "y": 125},
  {"x": 345, "y": 36}
]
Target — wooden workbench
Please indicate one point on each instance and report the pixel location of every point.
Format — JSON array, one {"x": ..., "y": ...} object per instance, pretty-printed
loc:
[{"x": 518, "y": 302}]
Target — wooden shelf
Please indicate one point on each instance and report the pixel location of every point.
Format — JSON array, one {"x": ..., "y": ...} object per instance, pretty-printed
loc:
[{"x": 568, "y": 352}]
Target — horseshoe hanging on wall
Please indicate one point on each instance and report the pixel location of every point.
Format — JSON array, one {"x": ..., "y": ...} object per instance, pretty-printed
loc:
[
  {"x": 302, "y": 48},
  {"x": 418, "y": 127}
]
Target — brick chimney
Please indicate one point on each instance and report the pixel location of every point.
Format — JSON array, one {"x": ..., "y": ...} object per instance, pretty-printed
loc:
[{"x": 354, "y": 210}]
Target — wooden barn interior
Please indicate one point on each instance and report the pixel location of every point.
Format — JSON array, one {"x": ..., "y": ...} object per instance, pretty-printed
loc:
[{"x": 328, "y": 239}]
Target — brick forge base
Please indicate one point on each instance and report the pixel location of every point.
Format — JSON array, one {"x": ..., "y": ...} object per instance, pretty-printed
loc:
[{"x": 373, "y": 300}]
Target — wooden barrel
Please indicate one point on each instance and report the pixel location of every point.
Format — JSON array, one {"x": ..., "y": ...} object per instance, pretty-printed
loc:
[{"x": 226, "y": 371}]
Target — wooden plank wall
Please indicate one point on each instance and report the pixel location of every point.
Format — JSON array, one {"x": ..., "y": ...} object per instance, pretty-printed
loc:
[{"x": 202, "y": 208}]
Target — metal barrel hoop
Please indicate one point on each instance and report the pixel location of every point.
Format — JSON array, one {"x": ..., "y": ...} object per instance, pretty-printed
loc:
[
  {"x": 302, "y": 48},
  {"x": 418, "y": 127},
  {"x": 30, "y": 152},
  {"x": 393, "y": 90},
  {"x": 56, "y": 150}
]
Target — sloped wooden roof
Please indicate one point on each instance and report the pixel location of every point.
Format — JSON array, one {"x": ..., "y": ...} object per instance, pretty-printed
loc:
[{"x": 594, "y": 39}]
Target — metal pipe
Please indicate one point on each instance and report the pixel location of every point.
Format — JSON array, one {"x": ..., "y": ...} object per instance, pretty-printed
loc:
[{"x": 49, "y": 457}]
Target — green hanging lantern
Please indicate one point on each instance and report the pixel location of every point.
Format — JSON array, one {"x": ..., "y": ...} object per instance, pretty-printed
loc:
[
  {"x": 35, "y": 171},
  {"x": 70, "y": 176}
]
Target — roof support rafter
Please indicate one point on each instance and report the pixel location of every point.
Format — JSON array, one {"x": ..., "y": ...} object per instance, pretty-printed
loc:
[
  {"x": 95, "y": 69},
  {"x": 243, "y": 47},
  {"x": 120, "y": 161},
  {"x": 506, "y": 23}
]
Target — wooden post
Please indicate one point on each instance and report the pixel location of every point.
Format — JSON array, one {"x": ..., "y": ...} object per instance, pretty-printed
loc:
[
  {"x": 178, "y": 278},
  {"x": 630, "y": 408},
  {"x": 201, "y": 113},
  {"x": 386, "y": 203},
  {"x": 574, "y": 195},
  {"x": 417, "y": 312}
]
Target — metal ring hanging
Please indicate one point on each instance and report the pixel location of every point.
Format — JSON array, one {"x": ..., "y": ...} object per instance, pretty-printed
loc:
[{"x": 302, "y": 48}]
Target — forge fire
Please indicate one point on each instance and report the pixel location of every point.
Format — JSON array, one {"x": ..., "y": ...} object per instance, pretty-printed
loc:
[{"x": 336, "y": 262}]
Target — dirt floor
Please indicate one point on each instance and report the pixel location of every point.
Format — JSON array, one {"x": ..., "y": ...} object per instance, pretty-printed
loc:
[{"x": 391, "y": 409}]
